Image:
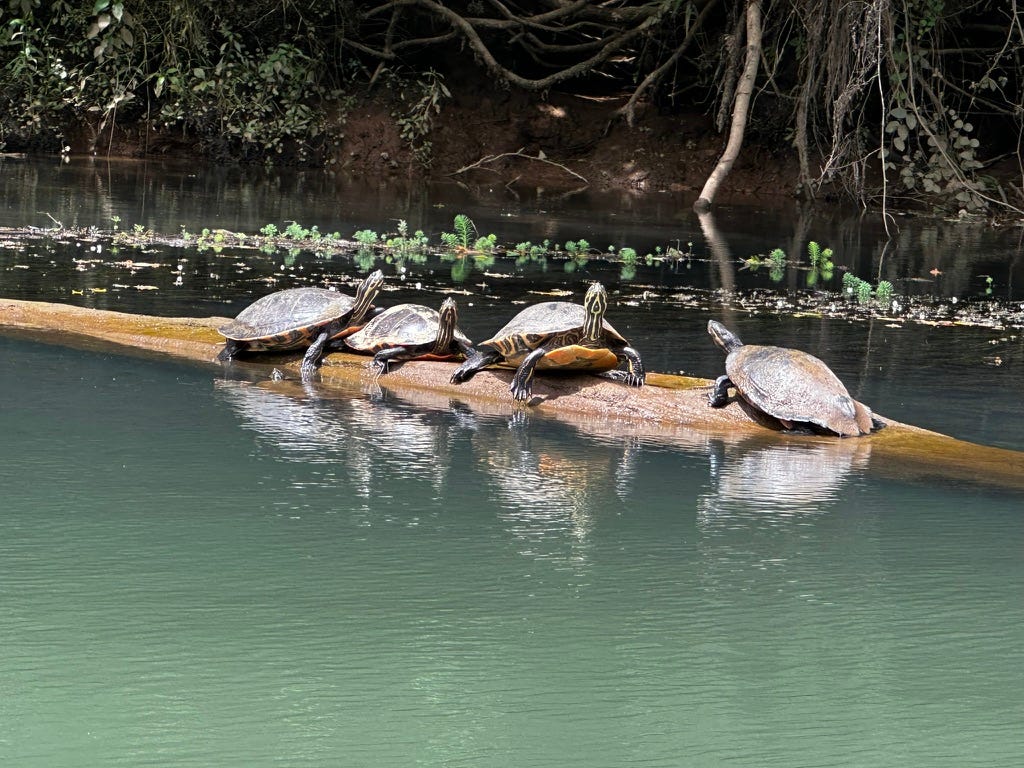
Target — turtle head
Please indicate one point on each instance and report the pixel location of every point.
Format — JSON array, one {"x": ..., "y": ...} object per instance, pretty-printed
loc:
[
  {"x": 449, "y": 313},
  {"x": 448, "y": 316},
  {"x": 365, "y": 295},
  {"x": 595, "y": 303},
  {"x": 723, "y": 337}
]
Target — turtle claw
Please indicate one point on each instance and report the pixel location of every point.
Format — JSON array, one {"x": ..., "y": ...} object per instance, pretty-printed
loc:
[
  {"x": 628, "y": 378},
  {"x": 521, "y": 394}
]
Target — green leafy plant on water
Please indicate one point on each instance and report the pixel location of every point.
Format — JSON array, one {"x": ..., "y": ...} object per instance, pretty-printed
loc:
[
  {"x": 821, "y": 263},
  {"x": 527, "y": 252},
  {"x": 862, "y": 290},
  {"x": 486, "y": 243},
  {"x": 366, "y": 237},
  {"x": 577, "y": 248},
  {"x": 821, "y": 259},
  {"x": 629, "y": 257},
  {"x": 406, "y": 245},
  {"x": 269, "y": 230},
  {"x": 465, "y": 236},
  {"x": 295, "y": 231}
]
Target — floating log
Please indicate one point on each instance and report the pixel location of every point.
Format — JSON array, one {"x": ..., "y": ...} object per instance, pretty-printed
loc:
[{"x": 670, "y": 409}]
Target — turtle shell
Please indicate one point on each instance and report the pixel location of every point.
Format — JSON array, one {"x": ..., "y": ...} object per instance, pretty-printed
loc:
[
  {"x": 287, "y": 319},
  {"x": 403, "y": 325},
  {"x": 794, "y": 386},
  {"x": 560, "y": 321}
]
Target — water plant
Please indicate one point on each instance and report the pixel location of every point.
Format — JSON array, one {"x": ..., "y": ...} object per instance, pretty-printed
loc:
[
  {"x": 269, "y": 230},
  {"x": 464, "y": 230},
  {"x": 406, "y": 245},
  {"x": 486, "y": 243},
  {"x": 366, "y": 237},
  {"x": 465, "y": 236},
  {"x": 821, "y": 259},
  {"x": 628, "y": 257},
  {"x": 295, "y": 231},
  {"x": 576, "y": 247},
  {"x": 862, "y": 290}
]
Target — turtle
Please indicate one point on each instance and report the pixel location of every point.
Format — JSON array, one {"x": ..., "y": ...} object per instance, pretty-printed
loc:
[
  {"x": 789, "y": 387},
  {"x": 411, "y": 332},
  {"x": 299, "y": 317},
  {"x": 557, "y": 335}
]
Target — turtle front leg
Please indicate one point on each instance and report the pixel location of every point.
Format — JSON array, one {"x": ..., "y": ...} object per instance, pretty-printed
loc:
[
  {"x": 476, "y": 361},
  {"x": 382, "y": 360},
  {"x": 467, "y": 350},
  {"x": 522, "y": 382},
  {"x": 313, "y": 355},
  {"x": 635, "y": 375},
  {"x": 720, "y": 392}
]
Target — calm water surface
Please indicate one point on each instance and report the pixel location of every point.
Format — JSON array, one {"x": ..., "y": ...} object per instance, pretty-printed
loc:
[{"x": 204, "y": 570}]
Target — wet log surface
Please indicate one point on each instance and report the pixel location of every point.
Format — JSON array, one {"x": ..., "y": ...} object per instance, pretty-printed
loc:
[{"x": 671, "y": 409}]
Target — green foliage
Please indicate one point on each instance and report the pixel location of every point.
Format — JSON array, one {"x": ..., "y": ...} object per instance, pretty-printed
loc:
[
  {"x": 862, "y": 291},
  {"x": 884, "y": 291},
  {"x": 821, "y": 259},
  {"x": 295, "y": 231},
  {"x": 778, "y": 257},
  {"x": 422, "y": 99},
  {"x": 465, "y": 233},
  {"x": 485, "y": 243},
  {"x": 629, "y": 257},
  {"x": 577, "y": 247},
  {"x": 269, "y": 230},
  {"x": 406, "y": 245},
  {"x": 236, "y": 78},
  {"x": 366, "y": 237}
]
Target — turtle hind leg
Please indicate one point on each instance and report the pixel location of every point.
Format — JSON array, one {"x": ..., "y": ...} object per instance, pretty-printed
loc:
[
  {"x": 522, "y": 382},
  {"x": 720, "y": 392},
  {"x": 479, "y": 359},
  {"x": 231, "y": 349},
  {"x": 383, "y": 360}
]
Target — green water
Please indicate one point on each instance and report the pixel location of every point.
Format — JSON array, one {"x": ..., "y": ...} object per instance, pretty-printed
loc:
[{"x": 201, "y": 571}]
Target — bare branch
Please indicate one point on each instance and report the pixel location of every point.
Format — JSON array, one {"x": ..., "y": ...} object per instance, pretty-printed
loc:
[{"x": 539, "y": 157}]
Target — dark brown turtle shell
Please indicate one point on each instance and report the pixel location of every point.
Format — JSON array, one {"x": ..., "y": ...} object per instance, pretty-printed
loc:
[
  {"x": 794, "y": 386},
  {"x": 287, "y": 319}
]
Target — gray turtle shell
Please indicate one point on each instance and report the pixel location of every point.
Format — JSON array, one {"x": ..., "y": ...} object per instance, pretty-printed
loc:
[
  {"x": 794, "y": 386},
  {"x": 403, "y": 325},
  {"x": 293, "y": 312}
]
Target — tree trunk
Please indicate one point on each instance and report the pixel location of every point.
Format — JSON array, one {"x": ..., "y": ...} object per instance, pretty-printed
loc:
[{"x": 740, "y": 109}]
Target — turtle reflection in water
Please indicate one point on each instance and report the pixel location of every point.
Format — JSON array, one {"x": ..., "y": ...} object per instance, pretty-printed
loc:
[
  {"x": 411, "y": 332},
  {"x": 299, "y": 317},
  {"x": 786, "y": 387},
  {"x": 557, "y": 335}
]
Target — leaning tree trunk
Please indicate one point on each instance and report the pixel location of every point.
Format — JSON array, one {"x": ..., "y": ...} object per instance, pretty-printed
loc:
[{"x": 740, "y": 110}]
